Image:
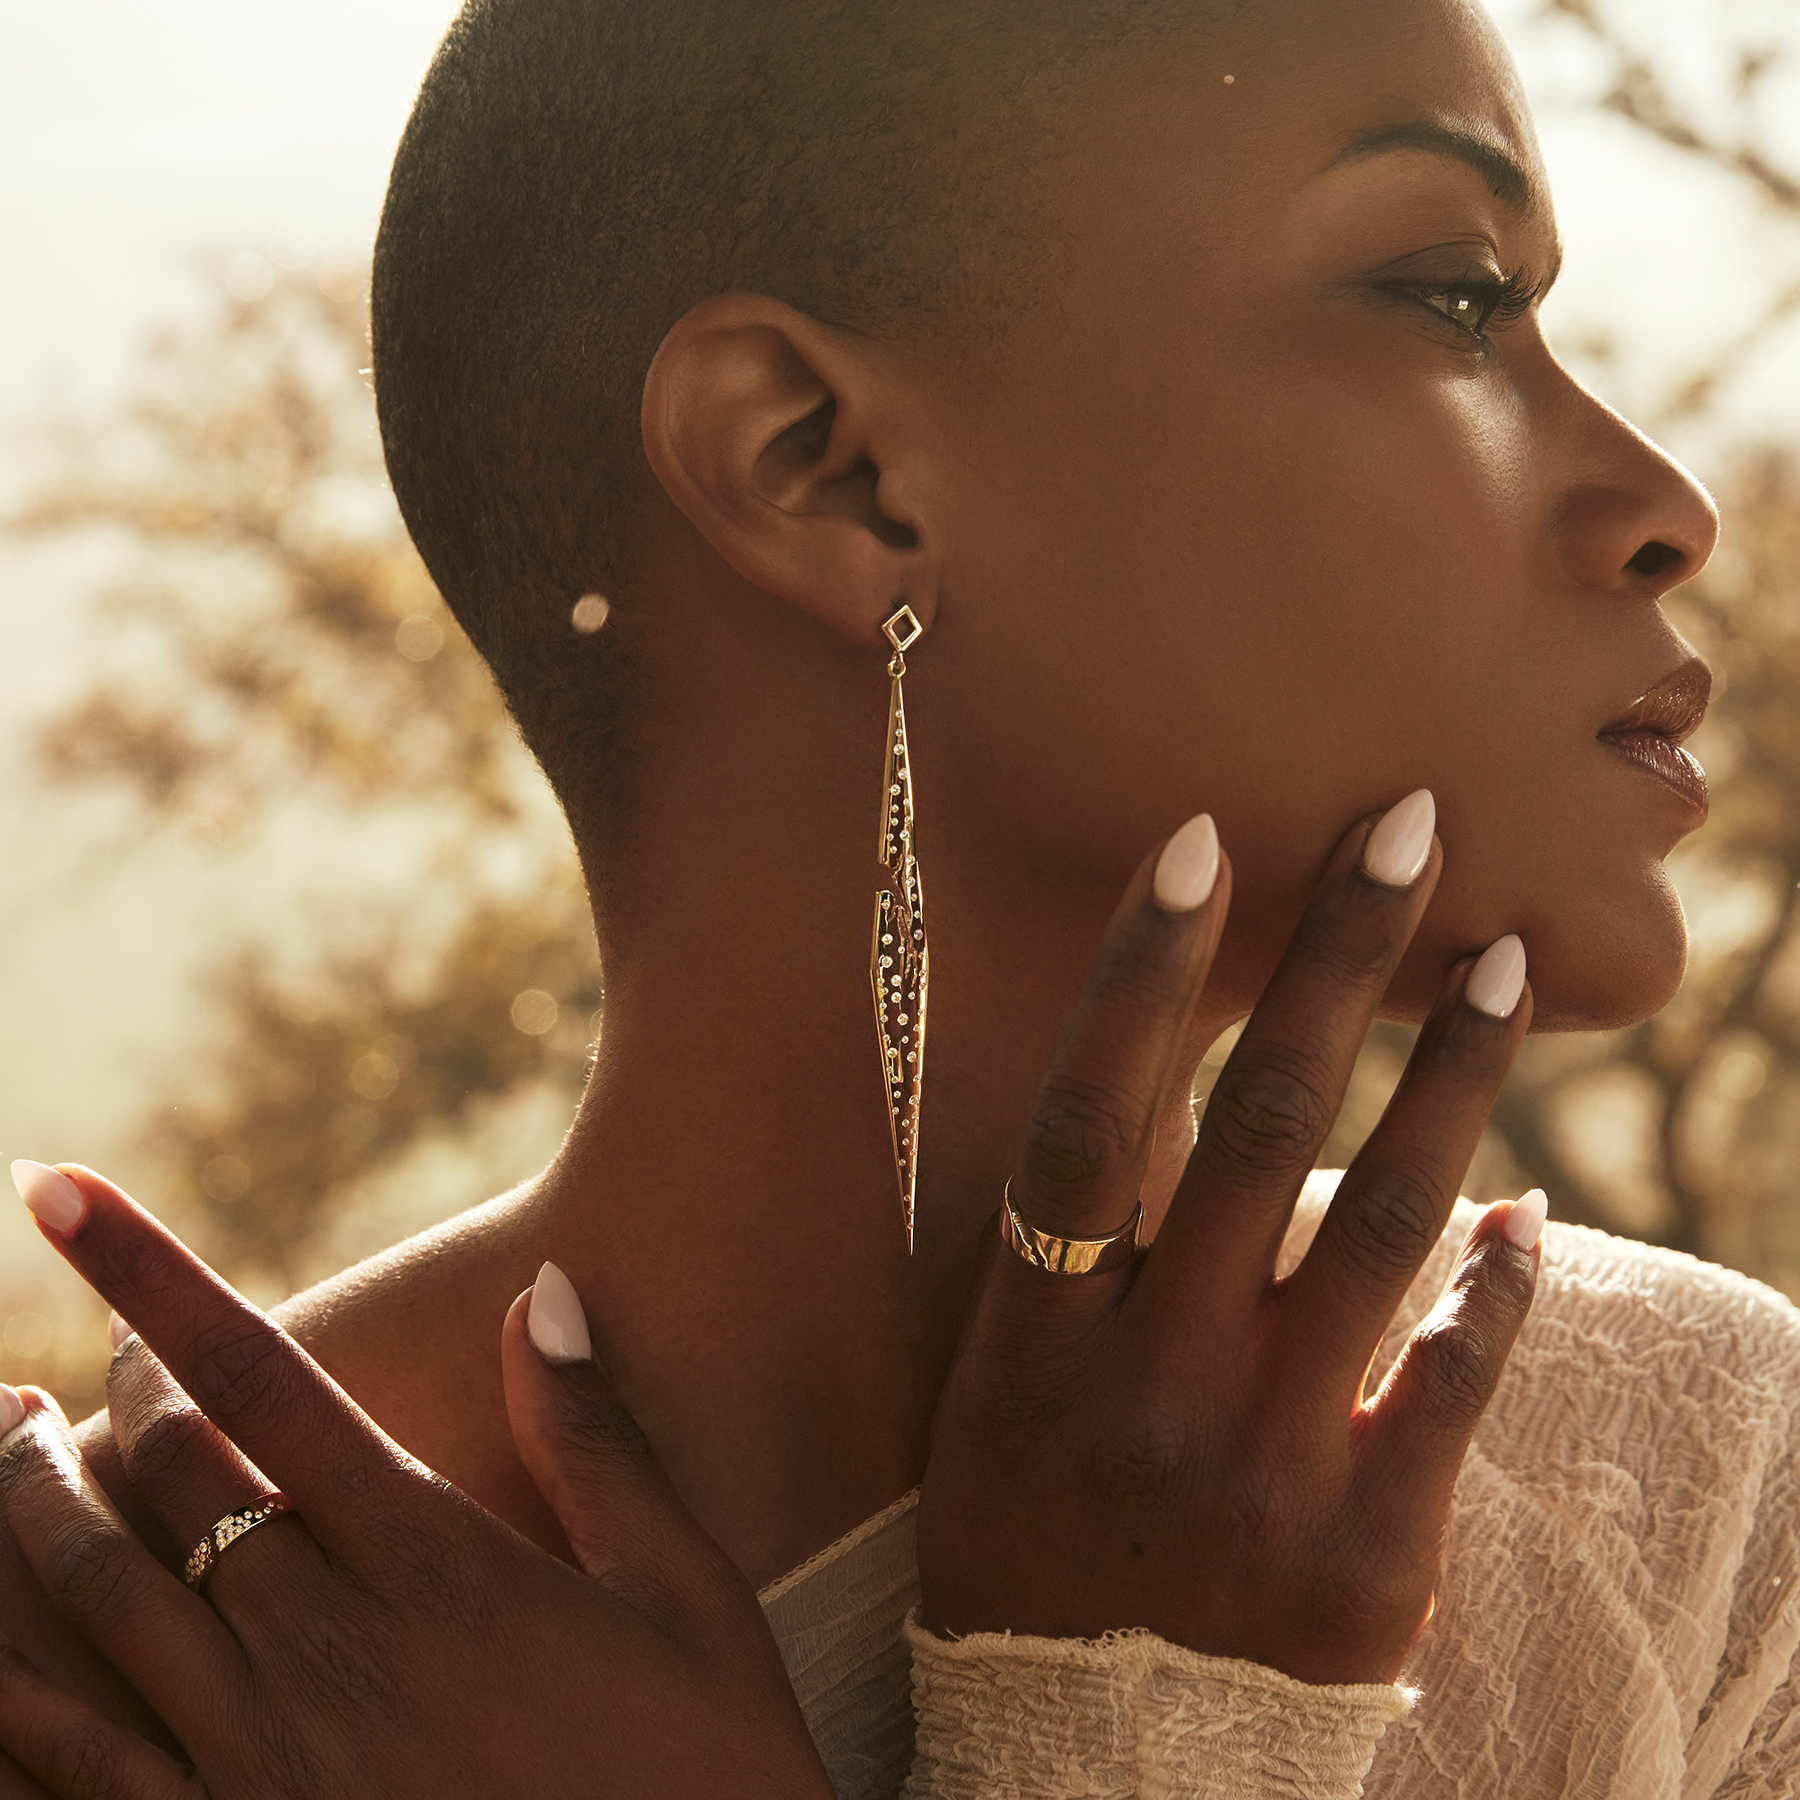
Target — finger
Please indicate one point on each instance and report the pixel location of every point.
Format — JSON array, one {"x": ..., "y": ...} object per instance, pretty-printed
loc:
[
  {"x": 1278, "y": 1095},
  {"x": 1396, "y": 1196},
  {"x": 166, "y": 1641},
  {"x": 592, "y": 1463},
  {"x": 243, "y": 1371},
  {"x": 1414, "y": 1434},
  {"x": 75, "y": 1751},
  {"x": 193, "y": 1477},
  {"x": 58, "y": 1651},
  {"x": 15, "y": 1784},
  {"x": 1093, "y": 1122},
  {"x": 1175, "y": 1134}
]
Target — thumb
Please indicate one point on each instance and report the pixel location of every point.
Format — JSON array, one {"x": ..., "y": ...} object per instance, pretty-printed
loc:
[{"x": 593, "y": 1464}]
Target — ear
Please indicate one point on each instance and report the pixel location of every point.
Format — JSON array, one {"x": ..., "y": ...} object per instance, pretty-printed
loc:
[{"x": 787, "y": 445}]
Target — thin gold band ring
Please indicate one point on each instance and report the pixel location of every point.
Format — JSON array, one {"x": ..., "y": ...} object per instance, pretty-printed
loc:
[{"x": 228, "y": 1531}]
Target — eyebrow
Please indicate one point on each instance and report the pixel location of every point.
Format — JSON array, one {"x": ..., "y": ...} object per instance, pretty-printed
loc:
[{"x": 1505, "y": 177}]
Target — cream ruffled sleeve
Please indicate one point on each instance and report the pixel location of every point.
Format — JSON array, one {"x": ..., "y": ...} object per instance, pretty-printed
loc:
[
  {"x": 1130, "y": 1717},
  {"x": 1618, "y": 1616}
]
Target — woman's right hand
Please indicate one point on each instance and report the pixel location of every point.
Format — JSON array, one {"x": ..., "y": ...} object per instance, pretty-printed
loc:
[
  {"x": 390, "y": 1637},
  {"x": 1183, "y": 1444}
]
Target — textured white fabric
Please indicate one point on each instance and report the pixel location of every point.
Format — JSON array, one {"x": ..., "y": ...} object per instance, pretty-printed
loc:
[
  {"x": 1130, "y": 1718},
  {"x": 839, "y": 1620},
  {"x": 1619, "y": 1614}
]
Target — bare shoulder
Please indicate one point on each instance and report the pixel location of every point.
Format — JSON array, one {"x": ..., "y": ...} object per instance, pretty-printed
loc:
[
  {"x": 381, "y": 1324},
  {"x": 413, "y": 1334}
]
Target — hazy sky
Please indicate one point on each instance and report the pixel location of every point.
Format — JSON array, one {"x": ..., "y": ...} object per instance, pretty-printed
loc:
[{"x": 131, "y": 133}]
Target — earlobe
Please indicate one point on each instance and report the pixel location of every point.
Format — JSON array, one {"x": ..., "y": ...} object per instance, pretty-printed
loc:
[{"x": 774, "y": 436}]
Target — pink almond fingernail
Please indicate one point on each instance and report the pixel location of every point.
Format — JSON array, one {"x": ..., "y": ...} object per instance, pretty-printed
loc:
[
  {"x": 1398, "y": 847},
  {"x": 1525, "y": 1218},
  {"x": 556, "y": 1323},
  {"x": 1497, "y": 980},
  {"x": 50, "y": 1194},
  {"x": 12, "y": 1410},
  {"x": 117, "y": 1330},
  {"x": 1188, "y": 868}
]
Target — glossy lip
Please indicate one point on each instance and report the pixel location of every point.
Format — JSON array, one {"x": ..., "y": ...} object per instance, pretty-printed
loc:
[{"x": 1652, "y": 729}]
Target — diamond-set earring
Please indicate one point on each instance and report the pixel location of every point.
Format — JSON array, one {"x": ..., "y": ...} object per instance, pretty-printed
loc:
[{"x": 899, "y": 958}]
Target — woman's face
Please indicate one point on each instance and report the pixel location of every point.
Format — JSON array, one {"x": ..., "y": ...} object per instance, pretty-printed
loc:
[{"x": 1282, "y": 507}]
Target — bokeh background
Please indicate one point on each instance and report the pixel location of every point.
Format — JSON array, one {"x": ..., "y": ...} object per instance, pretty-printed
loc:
[{"x": 290, "y": 936}]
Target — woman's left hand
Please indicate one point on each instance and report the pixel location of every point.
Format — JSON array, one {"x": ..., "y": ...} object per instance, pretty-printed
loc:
[
  {"x": 1182, "y": 1442},
  {"x": 389, "y": 1637}
]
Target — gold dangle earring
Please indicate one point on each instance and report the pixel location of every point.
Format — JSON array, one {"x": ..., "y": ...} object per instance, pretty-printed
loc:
[{"x": 899, "y": 962}]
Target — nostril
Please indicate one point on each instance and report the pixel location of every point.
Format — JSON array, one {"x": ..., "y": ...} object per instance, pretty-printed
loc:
[{"x": 1654, "y": 559}]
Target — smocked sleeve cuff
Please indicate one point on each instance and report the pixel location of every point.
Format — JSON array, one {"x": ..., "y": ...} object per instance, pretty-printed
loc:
[{"x": 1128, "y": 1715}]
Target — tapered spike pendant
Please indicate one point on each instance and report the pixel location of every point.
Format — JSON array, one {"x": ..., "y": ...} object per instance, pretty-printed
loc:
[{"x": 899, "y": 960}]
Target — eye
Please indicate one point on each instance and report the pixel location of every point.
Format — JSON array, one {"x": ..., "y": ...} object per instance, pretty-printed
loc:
[
  {"x": 1479, "y": 304},
  {"x": 1468, "y": 307}
]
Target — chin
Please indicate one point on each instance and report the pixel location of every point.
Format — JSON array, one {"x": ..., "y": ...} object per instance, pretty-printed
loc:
[
  {"x": 1610, "y": 965},
  {"x": 1596, "y": 963}
]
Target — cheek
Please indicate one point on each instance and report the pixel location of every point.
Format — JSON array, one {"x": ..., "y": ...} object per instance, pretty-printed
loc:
[
  {"x": 1318, "y": 609},
  {"x": 1291, "y": 606}
]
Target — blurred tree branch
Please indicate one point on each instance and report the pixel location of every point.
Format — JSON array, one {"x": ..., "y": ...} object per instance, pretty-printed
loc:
[
  {"x": 279, "y": 631},
  {"x": 1639, "y": 92},
  {"x": 274, "y": 644}
]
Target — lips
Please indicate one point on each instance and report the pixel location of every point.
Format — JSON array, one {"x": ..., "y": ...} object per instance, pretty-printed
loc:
[{"x": 1652, "y": 729}]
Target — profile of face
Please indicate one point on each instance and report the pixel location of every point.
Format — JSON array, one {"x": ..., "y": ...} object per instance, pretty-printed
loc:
[{"x": 1280, "y": 506}]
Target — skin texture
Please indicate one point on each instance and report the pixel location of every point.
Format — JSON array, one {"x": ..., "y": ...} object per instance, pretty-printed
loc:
[
  {"x": 325, "y": 1655},
  {"x": 1231, "y": 524},
  {"x": 1315, "y": 551},
  {"x": 1184, "y": 1445}
]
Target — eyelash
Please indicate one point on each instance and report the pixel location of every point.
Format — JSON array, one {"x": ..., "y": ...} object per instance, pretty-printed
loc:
[{"x": 1501, "y": 300}]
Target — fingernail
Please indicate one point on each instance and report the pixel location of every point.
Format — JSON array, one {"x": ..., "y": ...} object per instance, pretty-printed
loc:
[
  {"x": 117, "y": 1331},
  {"x": 556, "y": 1323},
  {"x": 12, "y": 1410},
  {"x": 1188, "y": 866},
  {"x": 1497, "y": 980},
  {"x": 1525, "y": 1218},
  {"x": 1401, "y": 841},
  {"x": 50, "y": 1194}
]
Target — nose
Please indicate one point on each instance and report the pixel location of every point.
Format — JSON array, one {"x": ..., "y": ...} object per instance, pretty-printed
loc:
[{"x": 1628, "y": 518}]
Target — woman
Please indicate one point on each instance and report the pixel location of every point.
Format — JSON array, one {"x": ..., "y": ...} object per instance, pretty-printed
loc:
[{"x": 1176, "y": 371}]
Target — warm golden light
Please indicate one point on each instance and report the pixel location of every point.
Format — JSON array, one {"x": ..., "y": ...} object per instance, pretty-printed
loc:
[
  {"x": 418, "y": 637},
  {"x": 535, "y": 1012}
]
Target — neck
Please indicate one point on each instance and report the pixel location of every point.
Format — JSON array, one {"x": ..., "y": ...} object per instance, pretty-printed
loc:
[{"x": 727, "y": 1203}]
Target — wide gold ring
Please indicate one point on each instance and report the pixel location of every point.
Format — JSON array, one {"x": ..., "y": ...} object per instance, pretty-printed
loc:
[
  {"x": 1069, "y": 1256},
  {"x": 229, "y": 1529}
]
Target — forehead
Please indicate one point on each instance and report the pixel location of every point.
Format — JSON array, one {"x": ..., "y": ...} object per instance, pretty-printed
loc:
[{"x": 1319, "y": 85}]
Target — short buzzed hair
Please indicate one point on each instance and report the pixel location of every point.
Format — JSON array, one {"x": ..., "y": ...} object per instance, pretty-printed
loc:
[{"x": 577, "y": 174}]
